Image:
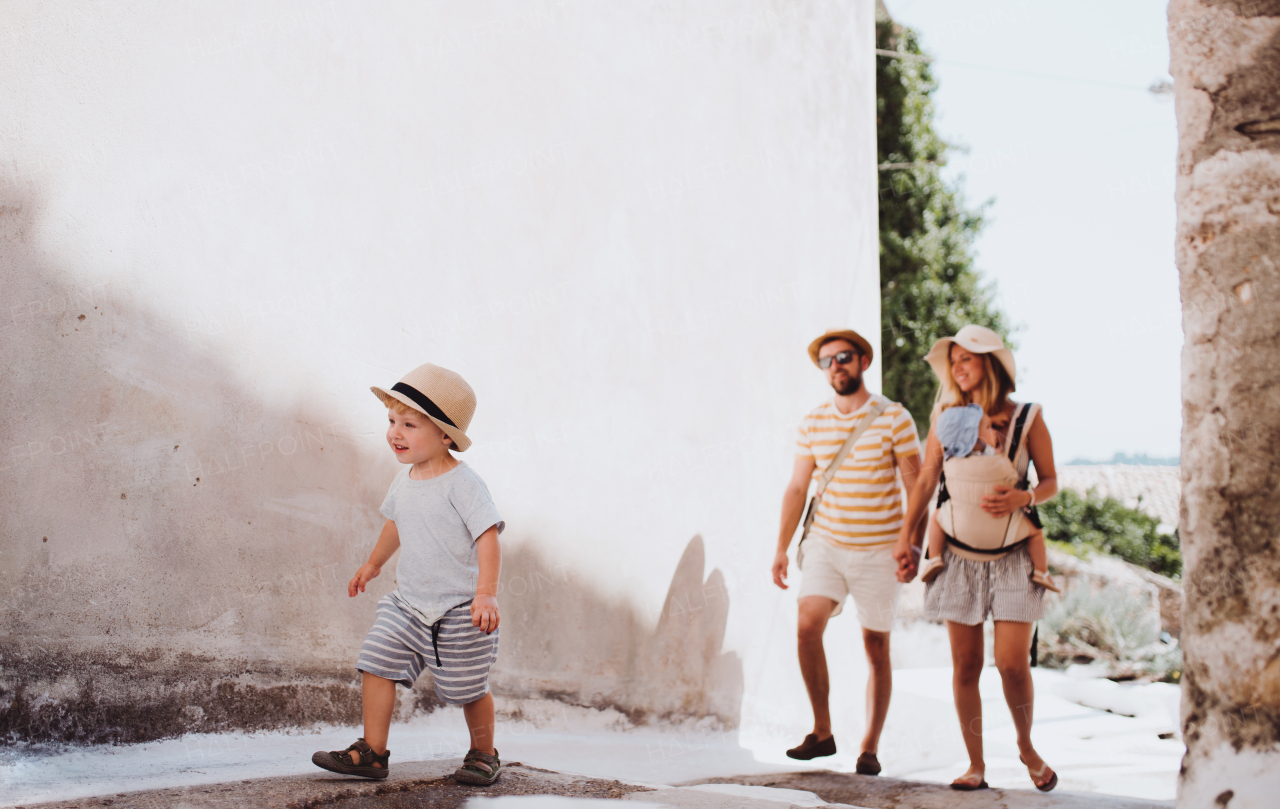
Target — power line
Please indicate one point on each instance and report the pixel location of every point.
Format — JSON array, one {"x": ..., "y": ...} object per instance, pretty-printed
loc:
[
  {"x": 911, "y": 57},
  {"x": 917, "y": 57},
  {"x": 920, "y": 165},
  {"x": 1049, "y": 76}
]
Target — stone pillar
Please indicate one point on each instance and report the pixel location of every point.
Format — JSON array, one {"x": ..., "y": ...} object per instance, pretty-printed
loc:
[{"x": 1226, "y": 69}]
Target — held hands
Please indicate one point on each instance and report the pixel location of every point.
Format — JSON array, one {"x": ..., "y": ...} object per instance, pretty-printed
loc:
[
  {"x": 1005, "y": 501},
  {"x": 908, "y": 557},
  {"x": 484, "y": 613},
  {"x": 780, "y": 569},
  {"x": 362, "y": 577}
]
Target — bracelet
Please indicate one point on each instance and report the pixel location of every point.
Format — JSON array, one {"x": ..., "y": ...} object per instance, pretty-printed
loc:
[
  {"x": 915, "y": 549},
  {"x": 1032, "y": 495}
]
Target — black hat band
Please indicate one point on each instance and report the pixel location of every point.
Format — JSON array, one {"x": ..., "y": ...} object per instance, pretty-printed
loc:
[{"x": 428, "y": 406}]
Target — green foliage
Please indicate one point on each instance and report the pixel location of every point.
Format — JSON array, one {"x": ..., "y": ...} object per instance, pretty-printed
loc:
[
  {"x": 929, "y": 287},
  {"x": 1112, "y": 626},
  {"x": 1107, "y": 525}
]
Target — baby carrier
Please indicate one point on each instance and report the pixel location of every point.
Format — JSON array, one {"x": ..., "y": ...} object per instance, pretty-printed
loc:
[{"x": 966, "y": 480}]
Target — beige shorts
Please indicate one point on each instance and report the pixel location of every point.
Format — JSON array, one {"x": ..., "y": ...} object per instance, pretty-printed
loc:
[{"x": 870, "y": 576}]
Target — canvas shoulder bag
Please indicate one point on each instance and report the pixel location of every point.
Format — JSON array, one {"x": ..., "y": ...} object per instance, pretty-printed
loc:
[{"x": 830, "y": 473}]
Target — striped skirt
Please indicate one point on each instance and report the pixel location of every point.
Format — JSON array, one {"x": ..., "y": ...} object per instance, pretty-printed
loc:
[
  {"x": 967, "y": 592},
  {"x": 400, "y": 645}
]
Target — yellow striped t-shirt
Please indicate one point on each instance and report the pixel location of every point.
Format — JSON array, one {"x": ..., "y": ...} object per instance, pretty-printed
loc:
[{"x": 862, "y": 506}]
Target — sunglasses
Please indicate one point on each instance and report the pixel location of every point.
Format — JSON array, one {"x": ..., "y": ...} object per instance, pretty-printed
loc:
[{"x": 843, "y": 358}]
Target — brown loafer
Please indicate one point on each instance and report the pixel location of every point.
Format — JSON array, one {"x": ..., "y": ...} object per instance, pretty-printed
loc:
[
  {"x": 812, "y": 748},
  {"x": 868, "y": 764}
]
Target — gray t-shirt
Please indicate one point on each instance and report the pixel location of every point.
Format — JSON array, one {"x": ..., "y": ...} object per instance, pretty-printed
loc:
[{"x": 439, "y": 521}]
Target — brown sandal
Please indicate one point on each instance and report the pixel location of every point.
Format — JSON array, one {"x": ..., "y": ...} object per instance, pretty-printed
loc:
[
  {"x": 970, "y": 782},
  {"x": 349, "y": 761},
  {"x": 479, "y": 768},
  {"x": 1047, "y": 785}
]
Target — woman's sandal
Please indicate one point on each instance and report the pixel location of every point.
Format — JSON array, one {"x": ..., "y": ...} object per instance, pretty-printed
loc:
[
  {"x": 1035, "y": 776},
  {"x": 479, "y": 768},
  {"x": 966, "y": 783},
  {"x": 377, "y": 767}
]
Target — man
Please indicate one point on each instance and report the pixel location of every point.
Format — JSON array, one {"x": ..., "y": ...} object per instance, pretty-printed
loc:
[{"x": 849, "y": 549}]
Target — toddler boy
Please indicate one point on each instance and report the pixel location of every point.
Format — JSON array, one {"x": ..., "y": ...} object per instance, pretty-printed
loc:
[{"x": 443, "y": 614}]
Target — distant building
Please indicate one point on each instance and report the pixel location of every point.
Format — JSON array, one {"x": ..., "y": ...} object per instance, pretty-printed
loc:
[{"x": 1155, "y": 490}]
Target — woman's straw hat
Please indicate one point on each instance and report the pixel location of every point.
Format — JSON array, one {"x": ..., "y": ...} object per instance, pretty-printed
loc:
[
  {"x": 440, "y": 395},
  {"x": 840, "y": 334},
  {"x": 979, "y": 340}
]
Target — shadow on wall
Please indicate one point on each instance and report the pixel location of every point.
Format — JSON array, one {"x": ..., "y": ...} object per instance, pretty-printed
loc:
[
  {"x": 176, "y": 550},
  {"x": 572, "y": 640}
]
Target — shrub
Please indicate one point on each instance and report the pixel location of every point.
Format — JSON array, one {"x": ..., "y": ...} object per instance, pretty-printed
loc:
[
  {"x": 1107, "y": 525},
  {"x": 1115, "y": 626}
]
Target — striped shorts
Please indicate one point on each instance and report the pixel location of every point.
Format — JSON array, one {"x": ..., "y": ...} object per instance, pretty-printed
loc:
[
  {"x": 966, "y": 592},
  {"x": 400, "y": 645}
]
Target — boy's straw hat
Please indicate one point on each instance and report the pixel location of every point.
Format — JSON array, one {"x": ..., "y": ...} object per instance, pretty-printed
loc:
[
  {"x": 979, "y": 340},
  {"x": 439, "y": 394},
  {"x": 840, "y": 334}
]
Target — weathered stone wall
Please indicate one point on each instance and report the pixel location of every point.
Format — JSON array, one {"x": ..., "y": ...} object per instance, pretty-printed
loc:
[{"x": 1226, "y": 68}]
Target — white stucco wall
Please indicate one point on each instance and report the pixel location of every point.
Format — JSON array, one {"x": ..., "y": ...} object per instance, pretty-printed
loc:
[{"x": 621, "y": 222}]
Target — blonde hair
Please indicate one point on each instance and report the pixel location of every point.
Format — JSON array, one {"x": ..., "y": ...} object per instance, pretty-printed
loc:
[
  {"x": 395, "y": 404},
  {"x": 401, "y": 409},
  {"x": 992, "y": 392}
]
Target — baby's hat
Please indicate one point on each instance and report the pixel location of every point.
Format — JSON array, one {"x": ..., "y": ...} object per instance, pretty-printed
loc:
[{"x": 958, "y": 429}]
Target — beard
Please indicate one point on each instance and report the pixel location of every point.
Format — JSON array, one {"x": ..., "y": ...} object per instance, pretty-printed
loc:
[{"x": 850, "y": 385}]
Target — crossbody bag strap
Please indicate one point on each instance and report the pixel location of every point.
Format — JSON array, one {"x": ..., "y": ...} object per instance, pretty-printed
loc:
[
  {"x": 1019, "y": 454},
  {"x": 847, "y": 447},
  {"x": 829, "y": 474},
  {"x": 1021, "y": 458}
]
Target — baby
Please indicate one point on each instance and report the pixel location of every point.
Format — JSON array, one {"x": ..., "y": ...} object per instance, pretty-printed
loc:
[{"x": 956, "y": 430}]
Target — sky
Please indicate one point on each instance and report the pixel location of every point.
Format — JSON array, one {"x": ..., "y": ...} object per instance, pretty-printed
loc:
[{"x": 1080, "y": 233}]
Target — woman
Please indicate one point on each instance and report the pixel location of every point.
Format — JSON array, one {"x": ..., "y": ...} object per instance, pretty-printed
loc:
[{"x": 975, "y": 367}]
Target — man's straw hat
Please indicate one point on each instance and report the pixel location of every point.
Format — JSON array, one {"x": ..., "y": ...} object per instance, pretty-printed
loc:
[
  {"x": 979, "y": 340},
  {"x": 840, "y": 334},
  {"x": 440, "y": 395}
]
